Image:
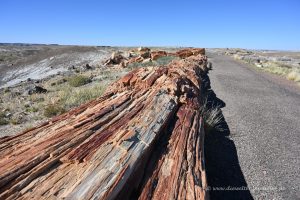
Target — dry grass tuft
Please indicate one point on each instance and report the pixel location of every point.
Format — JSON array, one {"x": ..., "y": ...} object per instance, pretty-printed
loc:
[
  {"x": 294, "y": 76},
  {"x": 70, "y": 98},
  {"x": 78, "y": 80},
  {"x": 213, "y": 117},
  {"x": 53, "y": 110}
]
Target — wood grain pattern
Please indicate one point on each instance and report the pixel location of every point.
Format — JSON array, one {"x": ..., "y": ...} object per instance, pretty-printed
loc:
[{"x": 143, "y": 139}]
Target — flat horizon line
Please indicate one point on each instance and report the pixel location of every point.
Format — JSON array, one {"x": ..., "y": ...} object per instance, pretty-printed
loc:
[{"x": 134, "y": 46}]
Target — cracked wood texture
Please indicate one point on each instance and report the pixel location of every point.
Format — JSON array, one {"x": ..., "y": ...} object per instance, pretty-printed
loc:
[{"x": 143, "y": 139}]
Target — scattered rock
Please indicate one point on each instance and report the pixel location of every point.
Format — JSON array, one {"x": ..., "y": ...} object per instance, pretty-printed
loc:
[
  {"x": 145, "y": 54},
  {"x": 124, "y": 64},
  {"x": 147, "y": 60},
  {"x": 71, "y": 67},
  {"x": 8, "y": 115},
  {"x": 259, "y": 65},
  {"x": 5, "y": 110},
  {"x": 88, "y": 67},
  {"x": 283, "y": 59},
  {"x": 18, "y": 118},
  {"x": 36, "y": 89},
  {"x": 15, "y": 93},
  {"x": 115, "y": 59},
  {"x": 143, "y": 49},
  {"x": 158, "y": 54},
  {"x": 128, "y": 54},
  {"x": 184, "y": 53},
  {"x": 136, "y": 59}
]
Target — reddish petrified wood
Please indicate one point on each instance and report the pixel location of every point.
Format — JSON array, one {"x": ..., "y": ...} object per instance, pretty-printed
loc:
[
  {"x": 158, "y": 54},
  {"x": 143, "y": 139}
]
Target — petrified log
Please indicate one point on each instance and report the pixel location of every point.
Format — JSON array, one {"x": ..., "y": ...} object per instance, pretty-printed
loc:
[
  {"x": 184, "y": 53},
  {"x": 143, "y": 139},
  {"x": 158, "y": 54}
]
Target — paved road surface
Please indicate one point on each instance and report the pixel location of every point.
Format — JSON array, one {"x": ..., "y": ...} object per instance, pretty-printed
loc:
[{"x": 263, "y": 148}]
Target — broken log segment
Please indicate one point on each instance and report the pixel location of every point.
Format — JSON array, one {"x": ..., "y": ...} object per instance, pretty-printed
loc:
[{"x": 143, "y": 139}]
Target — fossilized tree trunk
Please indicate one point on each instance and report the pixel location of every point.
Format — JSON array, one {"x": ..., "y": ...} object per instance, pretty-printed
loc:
[{"x": 143, "y": 139}]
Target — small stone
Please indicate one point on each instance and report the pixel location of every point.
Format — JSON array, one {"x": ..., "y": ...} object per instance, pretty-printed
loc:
[
  {"x": 8, "y": 115},
  {"x": 147, "y": 60},
  {"x": 37, "y": 89}
]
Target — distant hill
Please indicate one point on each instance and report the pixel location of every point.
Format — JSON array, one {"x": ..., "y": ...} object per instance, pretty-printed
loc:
[{"x": 25, "y": 44}]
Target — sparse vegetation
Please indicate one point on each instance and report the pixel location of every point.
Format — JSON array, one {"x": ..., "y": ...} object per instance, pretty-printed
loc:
[
  {"x": 15, "y": 121},
  {"x": 53, "y": 110},
  {"x": 108, "y": 75},
  {"x": 281, "y": 68},
  {"x": 277, "y": 68},
  {"x": 78, "y": 80},
  {"x": 32, "y": 109},
  {"x": 3, "y": 121},
  {"x": 6, "y": 90},
  {"x": 212, "y": 117},
  {"x": 165, "y": 60},
  {"x": 294, "y": 76},
  {"x": 70, "y": 98},
  {"x": 136, "y": 65}
]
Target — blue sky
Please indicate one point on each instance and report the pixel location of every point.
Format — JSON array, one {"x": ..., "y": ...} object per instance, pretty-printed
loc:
[{"x": 256, "y": 24}]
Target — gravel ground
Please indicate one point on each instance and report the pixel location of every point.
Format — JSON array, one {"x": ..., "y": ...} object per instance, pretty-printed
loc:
[{"x": 262, "y": 151}]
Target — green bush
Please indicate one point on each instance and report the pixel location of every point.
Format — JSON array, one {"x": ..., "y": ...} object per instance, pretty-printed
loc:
[
  {"x": 78, "y": 80},
  {"x": 2, "y": 114},
  {"x": 6, "y": 90},
  {"x": 31, "y": 109},
  {"x": 165, "y": 60},
  {"x": 15, "y": 121},
  {"x": 3, "y": 121},
  {"x": 137, "y": 64},
  {"x": 53, "y": 110}
]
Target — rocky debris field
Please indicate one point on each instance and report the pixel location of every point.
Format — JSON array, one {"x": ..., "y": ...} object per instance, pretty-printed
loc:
[
  {"x": 283, "y": 63},
  {"x": 145, "y": 55},
  {"x": 77, "y": 75},
  {"x": 142, "y": 139},
  {"x": 19, "y": 63}
]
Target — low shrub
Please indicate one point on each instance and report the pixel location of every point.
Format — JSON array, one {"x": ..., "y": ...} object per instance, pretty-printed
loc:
[
  {"x": 78, "y": 80},
  {"x": 31, "y": 109},
  {"x": 137, "y": 64},
  {"x": 165, "y": 60},
  {"x": 15, "y": 121},
  {"x": 294, "y": 76},
  {"x": 3, "y": 121},
  {"x": 53, "y": 110}
]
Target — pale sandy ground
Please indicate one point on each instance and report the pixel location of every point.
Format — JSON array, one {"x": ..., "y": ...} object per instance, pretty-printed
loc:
[{"x": 44, "y": 61}]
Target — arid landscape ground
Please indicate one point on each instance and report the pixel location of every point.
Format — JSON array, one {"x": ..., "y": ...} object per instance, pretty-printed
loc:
[
  {"x": 252, "y": 140},
  {"x": 71, "y": 75}
]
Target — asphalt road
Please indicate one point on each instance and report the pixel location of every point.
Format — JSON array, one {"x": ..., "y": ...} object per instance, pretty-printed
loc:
[{"x": 262, "y": 149}]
